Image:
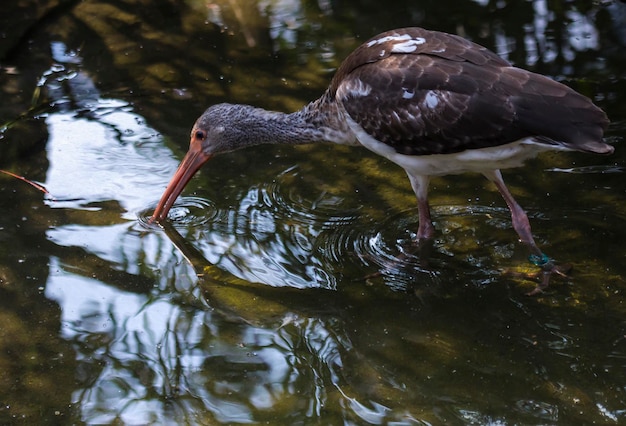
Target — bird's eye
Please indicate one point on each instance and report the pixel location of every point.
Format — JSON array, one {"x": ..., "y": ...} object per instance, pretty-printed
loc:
[{"x": 200, "y": 134}]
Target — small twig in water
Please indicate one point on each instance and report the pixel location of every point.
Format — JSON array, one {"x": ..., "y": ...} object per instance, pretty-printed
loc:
[{"x": 23, "y": 179}]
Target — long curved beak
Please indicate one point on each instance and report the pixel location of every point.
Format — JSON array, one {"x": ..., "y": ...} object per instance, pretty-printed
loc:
[{"x": 194, "y": 159}]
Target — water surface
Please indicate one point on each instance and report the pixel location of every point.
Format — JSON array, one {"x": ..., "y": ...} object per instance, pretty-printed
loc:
[{"x": 285, "y": 289}]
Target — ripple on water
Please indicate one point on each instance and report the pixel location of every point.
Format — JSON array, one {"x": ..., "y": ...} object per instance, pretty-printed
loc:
[
  {"x": 283, "y": 233},
  {"x": 295, "y": 236},
  {"x": 390, "y": 246},
  {"x": 186, "y": 211},
  {"x": 464, "y": 248},
  {"x": 275, "y": 233}
]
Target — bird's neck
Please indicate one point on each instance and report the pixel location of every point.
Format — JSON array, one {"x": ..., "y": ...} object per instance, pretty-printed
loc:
[
  {"x": 327, "y": 119},
  {"x": 319, "y": 121}
]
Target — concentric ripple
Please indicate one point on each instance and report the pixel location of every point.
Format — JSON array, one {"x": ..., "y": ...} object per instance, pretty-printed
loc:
[
  {"x": 390, "y": 246},
  {"x": 297, "y": 238},
  {"x": 187, "y": 211}
]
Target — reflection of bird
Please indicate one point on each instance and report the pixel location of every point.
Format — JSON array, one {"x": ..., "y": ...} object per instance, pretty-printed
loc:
[{"x": 433, "y": 103}]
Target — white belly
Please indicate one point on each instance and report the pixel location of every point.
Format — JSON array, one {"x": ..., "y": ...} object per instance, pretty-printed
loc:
[{"x": 472, "y": 160}]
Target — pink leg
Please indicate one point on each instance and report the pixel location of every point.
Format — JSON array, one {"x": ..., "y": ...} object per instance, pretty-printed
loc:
[
  {"x": 426, "y": 230},
  {"x": 518, "y": 215},
  {"x": 519, "y": 218},
  {"x": 522, "y": 226}
]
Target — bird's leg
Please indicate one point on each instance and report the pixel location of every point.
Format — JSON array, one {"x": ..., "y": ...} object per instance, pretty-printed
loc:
[
  {"x": 521, "y": 224},
  {"x": 425, "y": 230}
]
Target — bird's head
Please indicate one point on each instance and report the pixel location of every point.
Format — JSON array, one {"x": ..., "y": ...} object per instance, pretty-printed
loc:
[
  {"x": 210, "y": 135},
  {"x": 224, "y": 128}
]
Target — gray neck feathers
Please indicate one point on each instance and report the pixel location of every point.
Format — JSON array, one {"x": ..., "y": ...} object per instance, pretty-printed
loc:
[{"x": 240, "y": 126}]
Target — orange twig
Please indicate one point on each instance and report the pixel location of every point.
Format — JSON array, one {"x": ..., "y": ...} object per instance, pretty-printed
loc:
[{"x": 23, "y": 179}]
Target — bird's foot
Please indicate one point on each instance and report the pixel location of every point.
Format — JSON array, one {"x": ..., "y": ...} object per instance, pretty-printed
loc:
[{"x": 547, "y": 269}]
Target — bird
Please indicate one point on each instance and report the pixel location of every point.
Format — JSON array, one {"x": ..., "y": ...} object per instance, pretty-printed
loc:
[{"x": 434, "y": 103}]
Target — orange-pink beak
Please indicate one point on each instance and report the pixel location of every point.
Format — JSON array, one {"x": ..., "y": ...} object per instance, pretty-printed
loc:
[{"x": 194, "y": 159}]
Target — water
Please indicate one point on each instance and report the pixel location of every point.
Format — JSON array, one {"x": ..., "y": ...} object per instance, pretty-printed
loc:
[{"x": 285, "y": 288}]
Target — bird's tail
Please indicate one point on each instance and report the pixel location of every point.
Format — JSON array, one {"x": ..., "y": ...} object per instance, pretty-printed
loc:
[{"x": 558, "y": 113}]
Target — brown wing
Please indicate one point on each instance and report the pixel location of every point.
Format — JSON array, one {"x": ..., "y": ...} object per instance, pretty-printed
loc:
[
  {"x": 425, "y": 42},
  {"x": 426, "y": 92}
]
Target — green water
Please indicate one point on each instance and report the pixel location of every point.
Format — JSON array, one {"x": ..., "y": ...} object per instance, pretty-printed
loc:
[{"x": 285, "y": 289}]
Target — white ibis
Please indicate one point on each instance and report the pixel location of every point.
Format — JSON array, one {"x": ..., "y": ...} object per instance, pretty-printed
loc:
[{"x": 433, "y": 103}]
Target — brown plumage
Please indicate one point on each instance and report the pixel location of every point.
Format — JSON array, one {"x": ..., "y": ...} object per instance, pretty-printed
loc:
[
  {"x": 432, "y": 102},
  {"x": 482, "y": 100}
]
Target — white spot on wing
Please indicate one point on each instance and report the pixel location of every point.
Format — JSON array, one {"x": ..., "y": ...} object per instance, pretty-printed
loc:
[
  {"x": 431, "y": 100},
  {"x": 407, "y": 94},
  {"x": 402, "y": 43},
  {"x": 408, "y": 46},
  {"x": 388, "y": 38}
]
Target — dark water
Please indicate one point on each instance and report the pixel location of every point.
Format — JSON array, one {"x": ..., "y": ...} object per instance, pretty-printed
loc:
[{"x": 285, "y": 289}]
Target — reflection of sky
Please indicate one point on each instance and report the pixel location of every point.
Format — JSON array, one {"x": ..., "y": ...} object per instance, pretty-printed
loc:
[
  {"x": 109, "y": 155},
  {"x": 118, "y": 329},
  {"x": 140, "y": 351},
  {"x": 90, "y": 306}
]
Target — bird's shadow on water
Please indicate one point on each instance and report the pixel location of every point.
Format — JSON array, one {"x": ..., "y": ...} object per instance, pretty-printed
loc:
[
  {"x": 250, "y": 302},
  {"x": 403, "y": 270}
]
